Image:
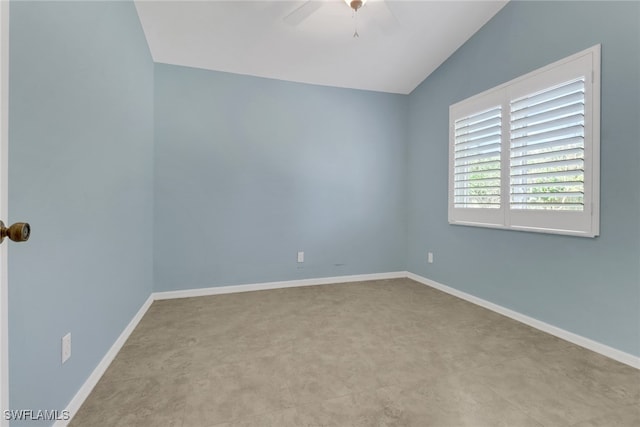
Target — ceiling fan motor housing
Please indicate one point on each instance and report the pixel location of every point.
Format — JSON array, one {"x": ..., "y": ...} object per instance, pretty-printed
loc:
[{"x": 356, "y": 4}]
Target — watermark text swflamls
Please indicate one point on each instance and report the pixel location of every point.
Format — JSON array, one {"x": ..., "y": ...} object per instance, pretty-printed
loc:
[{"x": 36, "y": 415}]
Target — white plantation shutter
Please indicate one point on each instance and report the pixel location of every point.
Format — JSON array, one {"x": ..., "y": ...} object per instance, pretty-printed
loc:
[
  {"x": 476, "y": 178},
  {"x": 525, "y": 155},
  {"x": 547, "y": 149},
  {"x": 477, "y": 160}
]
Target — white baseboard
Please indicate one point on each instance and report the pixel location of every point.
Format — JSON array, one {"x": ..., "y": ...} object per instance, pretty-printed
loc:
[
  {"x": 605, "y": 350},
  {"x": 97, "y": 373},
  {"x": 217, "y": 290}
]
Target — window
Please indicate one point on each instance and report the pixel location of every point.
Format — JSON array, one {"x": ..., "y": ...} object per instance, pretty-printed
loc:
[{"x": 525, "y": 155}]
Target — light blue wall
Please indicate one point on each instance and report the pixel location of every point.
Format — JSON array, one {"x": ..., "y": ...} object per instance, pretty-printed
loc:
[
  {"x": 81, "y": 171},
  {"x": 587, "y": 286},
  {"x": 248, "y": 171}
]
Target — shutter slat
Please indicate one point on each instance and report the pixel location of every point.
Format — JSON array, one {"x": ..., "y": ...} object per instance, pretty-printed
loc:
[
  {"x": 488, "y": 174},
  {"x": 555, "y": 184},
  {"x": 547, "y": 114},
  {"x": 487, "y": 181},
  {"x": 548, "y": 155},
  {"x": 464, "y": 170},
  {"x": 519, "y": 197},
  {"x": 522, "y": 169},
  {"x": 554, "y": 135},
  {"x": 491, "y": 123},
  {"x": 532, "y": 100},
  {"x": 490, "y": 203},
  {"x": 549, "y": 206},
  {"x": 544, "y": 127},
  {"x": 478, "y": 200},
  {"x": 541, "y": 176},
  {"x": 470, "y": 120},
  {"x": 572, "y": 142},
  {"x": 491, "y": 139},
  {"x": 484, "y": 156},
  {"x": 485, "y": 191},
  {"x": 494, "y": 191},
  {"x": 488, "y": 148},
  {"x": 476, "y": 135},
  {"x": 571, "y": 99},
  {"x": 489, "y": 165}
]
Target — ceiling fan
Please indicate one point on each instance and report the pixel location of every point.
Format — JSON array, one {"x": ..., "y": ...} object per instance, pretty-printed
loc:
[{"x": 380, "y": 13}]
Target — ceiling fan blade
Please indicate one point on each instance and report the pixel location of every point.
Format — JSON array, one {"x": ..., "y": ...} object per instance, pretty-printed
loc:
[
  {"x": 302, "y": 13},
  {"x": 383, "y": 16}
]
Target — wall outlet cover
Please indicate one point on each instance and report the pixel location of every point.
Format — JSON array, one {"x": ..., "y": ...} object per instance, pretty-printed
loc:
[{"x": 66, "y": 347}]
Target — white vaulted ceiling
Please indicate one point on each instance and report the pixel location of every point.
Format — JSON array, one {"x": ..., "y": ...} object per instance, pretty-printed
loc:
[{"x": 252, "y": 38}]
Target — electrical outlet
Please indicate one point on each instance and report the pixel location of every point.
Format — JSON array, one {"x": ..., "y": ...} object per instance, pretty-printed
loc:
[
  {"x": 300, "y": 256},
  {"x": 66, "y": 347},
  {"x": 430, "y": 257}
]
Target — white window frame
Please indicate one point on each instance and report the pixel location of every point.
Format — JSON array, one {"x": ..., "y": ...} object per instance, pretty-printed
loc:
[{"x": 583, "y": 223}]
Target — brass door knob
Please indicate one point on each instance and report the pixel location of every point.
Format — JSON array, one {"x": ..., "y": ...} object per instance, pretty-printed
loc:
[{"x": 18, "y": 232}]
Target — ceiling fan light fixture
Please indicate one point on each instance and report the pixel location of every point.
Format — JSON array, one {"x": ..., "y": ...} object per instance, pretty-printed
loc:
[{"x": 355, "y": 4}]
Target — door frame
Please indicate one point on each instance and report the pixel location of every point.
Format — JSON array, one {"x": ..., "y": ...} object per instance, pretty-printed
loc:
[{"x": 4, "y": 150}]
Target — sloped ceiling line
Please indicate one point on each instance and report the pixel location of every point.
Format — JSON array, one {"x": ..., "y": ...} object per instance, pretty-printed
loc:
[{"x": 252, "y": 38}]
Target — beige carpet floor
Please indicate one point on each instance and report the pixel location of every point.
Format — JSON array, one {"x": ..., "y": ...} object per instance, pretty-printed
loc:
[{"x": 377, "y": 353}]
